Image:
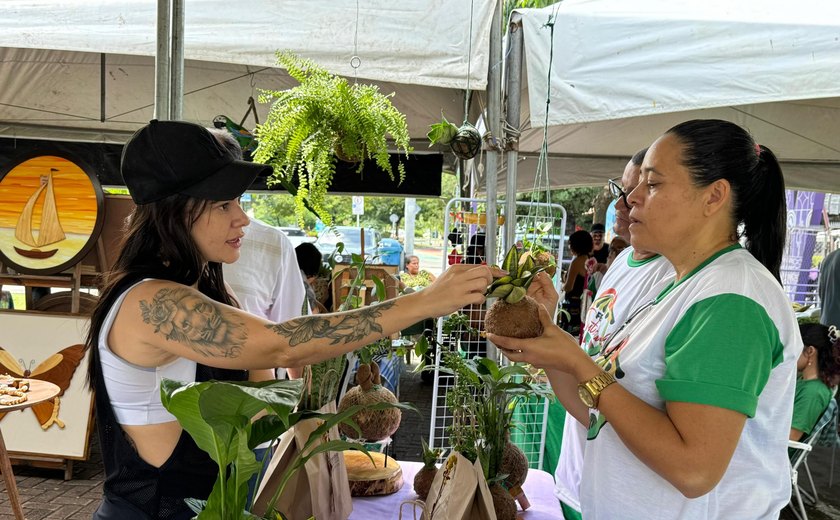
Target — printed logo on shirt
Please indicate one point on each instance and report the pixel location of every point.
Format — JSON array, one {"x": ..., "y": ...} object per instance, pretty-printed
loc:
[
  {"x": 600, "y": 317},
  {"x": 609, "y": 362}
]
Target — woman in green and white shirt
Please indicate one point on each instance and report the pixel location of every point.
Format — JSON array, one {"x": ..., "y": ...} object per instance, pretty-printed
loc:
[
  {"x": 819, "y": 373},
  {"x": 697, "y": 425}
]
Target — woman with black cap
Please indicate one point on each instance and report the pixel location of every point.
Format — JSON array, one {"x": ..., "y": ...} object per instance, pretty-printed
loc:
[{"x": 165, "y": 312}]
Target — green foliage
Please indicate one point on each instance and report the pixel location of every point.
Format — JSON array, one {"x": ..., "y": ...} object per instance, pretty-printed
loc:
[
  {"x": 430, "y": 456},
  {"x": 456, "y": 323},
  {"x": 219, "y": 416},
  {"x": 808, "y": 319},
  {"x": 482, "y": 403},
  {"x": 278, "y": 209},
  {"x": 324, "y": 117},
  {"x": 510, "y": 5},
  {"x": 513, "y": 286},
  {"x": 442, "y": 133},
  {"x": 578, "y": 202}
]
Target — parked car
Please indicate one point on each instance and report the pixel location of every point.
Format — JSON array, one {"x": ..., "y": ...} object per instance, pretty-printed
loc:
[
  {"x": 351, "y": 237},
  {"x": 297, "y": 236}
]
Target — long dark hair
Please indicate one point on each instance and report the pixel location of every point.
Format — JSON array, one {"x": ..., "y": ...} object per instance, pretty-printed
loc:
[
  {"x": 828, "y": 351},
  {"x": 157, "y": 243},
  {"x": 715, "y": 149}
]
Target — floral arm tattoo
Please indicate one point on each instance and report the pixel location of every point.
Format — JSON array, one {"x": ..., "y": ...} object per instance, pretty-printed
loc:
[
  {"x": 348, "y": 327},
  {"x": 184, "y": 316}
]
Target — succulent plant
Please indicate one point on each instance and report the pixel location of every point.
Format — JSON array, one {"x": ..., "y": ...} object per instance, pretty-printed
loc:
[
  {"x": 514, "y": 286},
  {"x": 514, "y": 314}
]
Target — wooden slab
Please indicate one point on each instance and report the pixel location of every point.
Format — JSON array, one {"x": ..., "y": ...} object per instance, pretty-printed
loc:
[{"x": 367, "y": 479}]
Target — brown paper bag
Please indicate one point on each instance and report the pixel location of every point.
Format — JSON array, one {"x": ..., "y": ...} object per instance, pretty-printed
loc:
[
  {"x": 320, "y": 488},
  {"x": 459, "y": 492}
]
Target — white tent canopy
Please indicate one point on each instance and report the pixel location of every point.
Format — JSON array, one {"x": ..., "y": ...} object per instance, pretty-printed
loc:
[
  {"x": 623, "y": 73},
  {"x": 52, "y": 54}
]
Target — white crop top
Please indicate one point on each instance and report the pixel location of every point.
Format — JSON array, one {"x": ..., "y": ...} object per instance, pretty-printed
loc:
[{"x": 134, "y": 390}]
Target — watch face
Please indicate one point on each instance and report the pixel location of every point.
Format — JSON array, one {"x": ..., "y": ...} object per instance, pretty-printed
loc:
[{"x": 585, "y": 396}]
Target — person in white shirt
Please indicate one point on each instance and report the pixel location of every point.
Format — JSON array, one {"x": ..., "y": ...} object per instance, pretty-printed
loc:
[
  {"x": 706, "y": 369},
  {"x": 631, "y": 278},
  {"x": 266, "y": 280}
]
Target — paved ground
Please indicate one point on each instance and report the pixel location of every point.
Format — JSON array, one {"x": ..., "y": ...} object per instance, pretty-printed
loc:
[{"x": 46, "y": 496}]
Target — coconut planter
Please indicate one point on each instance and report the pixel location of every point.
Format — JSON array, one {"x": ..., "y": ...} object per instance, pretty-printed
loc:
[
  {"x": 520, "y": 319},
  {"x": 514, "y": 314},
  {"x": 375, "y": 425}
]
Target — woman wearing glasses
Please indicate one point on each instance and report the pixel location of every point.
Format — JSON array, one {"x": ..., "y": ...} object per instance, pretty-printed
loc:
[{"x": 716, "y": 347}]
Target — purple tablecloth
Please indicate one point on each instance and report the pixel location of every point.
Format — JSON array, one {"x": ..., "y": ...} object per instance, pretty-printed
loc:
[{"x": 539, "y": 487}]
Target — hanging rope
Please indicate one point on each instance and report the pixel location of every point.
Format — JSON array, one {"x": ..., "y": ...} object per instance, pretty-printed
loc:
[
  {"x": 355, "y": 60},
  {"x": 469, "y": 62},
  {"x": 537, "y": 219}
]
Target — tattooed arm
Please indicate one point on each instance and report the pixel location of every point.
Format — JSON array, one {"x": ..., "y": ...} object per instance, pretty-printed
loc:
[{"x": 161, "y": 320}]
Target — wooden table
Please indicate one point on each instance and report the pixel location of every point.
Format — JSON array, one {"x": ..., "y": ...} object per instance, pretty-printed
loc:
[{"x": 39, "y": 391}]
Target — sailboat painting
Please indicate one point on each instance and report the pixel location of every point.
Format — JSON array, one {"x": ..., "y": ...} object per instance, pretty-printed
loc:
[
  {"x": 49, "y": 211},
  {"x": 50, "y": 232}
]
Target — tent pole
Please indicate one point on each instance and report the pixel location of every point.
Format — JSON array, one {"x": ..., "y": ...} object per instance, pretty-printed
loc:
[
  {"x": 494, "y": 124},
  {"x": 101, "y": 87},
  {"x": 162, "y": 66},
  {"x": 176, "y": 91},
  {"x": 513, "y": 88}
]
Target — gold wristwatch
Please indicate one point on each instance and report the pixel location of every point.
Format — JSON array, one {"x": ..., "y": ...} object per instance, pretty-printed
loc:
[{"x": 590, "y": 391}]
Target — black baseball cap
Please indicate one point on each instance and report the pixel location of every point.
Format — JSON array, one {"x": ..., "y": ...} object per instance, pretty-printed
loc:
[
  {"x": 597, "y": 228},
  {"x": 168, "y": 157}
]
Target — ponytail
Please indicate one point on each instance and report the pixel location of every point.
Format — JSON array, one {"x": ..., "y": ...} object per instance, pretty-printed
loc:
[{"x": 764, "y": 212}]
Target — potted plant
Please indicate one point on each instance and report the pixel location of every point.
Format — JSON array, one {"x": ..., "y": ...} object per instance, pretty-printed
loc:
[
  {"x": 465, "y": 142},
  {"x": 322, "y": 119},
  {"x": 482, "y": 404}
]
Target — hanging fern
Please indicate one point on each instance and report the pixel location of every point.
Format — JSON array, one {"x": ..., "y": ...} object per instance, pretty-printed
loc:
[{"x": 324, "y": 117}]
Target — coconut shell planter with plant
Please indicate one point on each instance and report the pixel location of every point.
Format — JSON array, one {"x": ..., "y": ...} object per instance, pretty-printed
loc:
[
  {"x": 514, "y": 314},
  {"x": 464, "y": 141},
  {"x": 423, "y": 479},
  {"x": 374, "y": 424},
  {"x": 482, "y": 402}
]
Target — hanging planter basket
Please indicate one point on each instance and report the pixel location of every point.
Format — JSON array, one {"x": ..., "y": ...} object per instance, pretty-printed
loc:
[{"x": 467, "y": 142}]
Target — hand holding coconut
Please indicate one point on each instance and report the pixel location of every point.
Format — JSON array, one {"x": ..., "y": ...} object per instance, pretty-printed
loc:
[{"x": 553, "y": 349}]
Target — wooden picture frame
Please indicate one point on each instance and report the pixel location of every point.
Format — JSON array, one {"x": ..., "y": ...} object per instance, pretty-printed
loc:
[
  {"x": 52, "y": 212},
  {"x": 48, "y": 347}
]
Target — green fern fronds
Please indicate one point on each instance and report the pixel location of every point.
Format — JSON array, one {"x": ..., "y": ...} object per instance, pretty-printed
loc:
[{"x": 308, "y": 124}]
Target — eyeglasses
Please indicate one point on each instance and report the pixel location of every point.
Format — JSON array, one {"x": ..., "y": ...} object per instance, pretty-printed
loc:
[{"x": 617, "y": 191}]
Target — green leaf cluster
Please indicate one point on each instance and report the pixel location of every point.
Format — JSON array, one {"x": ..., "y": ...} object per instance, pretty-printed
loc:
[
  {"x": 321, "y": 118},
  {"x": 486, "y": 394},
  {"x": 514, "y": 285},
  {"x": 442, "y": 133}
]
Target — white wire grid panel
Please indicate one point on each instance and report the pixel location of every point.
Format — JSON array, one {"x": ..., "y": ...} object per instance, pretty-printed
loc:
[
  {"x": 799, "y": 277},
  {"x": 530, "y": 417}
]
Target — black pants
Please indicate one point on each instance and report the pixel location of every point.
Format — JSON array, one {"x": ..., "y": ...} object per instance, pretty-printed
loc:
[{"x": 115, "y": 508}]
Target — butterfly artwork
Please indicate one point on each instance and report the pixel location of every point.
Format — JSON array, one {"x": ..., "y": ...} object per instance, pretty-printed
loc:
[{"x": 57, "y": 368}]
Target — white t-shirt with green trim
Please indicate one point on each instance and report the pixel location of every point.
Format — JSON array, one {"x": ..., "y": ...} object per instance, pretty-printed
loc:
[
  {"x": 627, "y": 283},
  {"x": 724, "y": 336}
]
